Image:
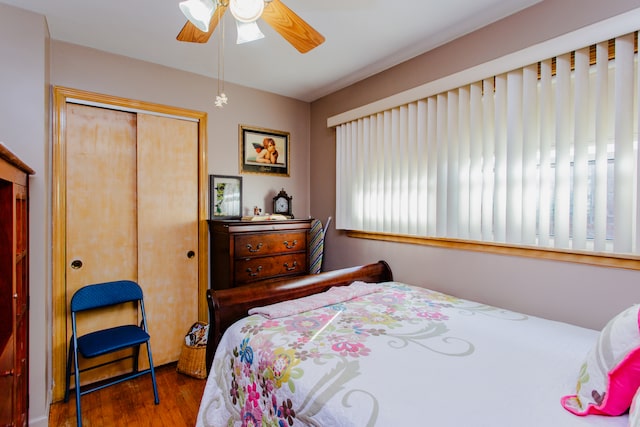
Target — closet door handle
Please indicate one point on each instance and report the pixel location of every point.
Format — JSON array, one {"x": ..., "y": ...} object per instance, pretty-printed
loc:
[
  {"x": 76, "y": 264},
  {"x": 191, "y": 254}
]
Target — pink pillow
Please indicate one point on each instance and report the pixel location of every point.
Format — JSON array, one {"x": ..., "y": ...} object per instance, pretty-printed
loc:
[{"x": 610, "y": 376}]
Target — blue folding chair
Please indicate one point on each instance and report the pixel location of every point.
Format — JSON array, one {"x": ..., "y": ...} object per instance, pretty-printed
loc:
[{"x": 109, "y": 340}]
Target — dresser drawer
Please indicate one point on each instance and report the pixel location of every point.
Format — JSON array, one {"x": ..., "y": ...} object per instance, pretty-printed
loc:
[
  {"x": 259, "y": 244},
  {"x": 253, "y": 269},
  {"x": 243, "y": 252}
]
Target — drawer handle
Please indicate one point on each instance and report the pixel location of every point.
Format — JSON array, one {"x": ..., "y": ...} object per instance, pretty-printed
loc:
[
  {"x": 293, "y": 267},
  {"x": 288, "y": 245},
  {"x": 250, "y": 247},
  {"x": 6, "y": 373},
  {"x": 251, "y": 273}
]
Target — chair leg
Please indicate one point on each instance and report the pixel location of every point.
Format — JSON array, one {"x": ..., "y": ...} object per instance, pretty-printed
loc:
[
  {"x": 136, "y": 353},
  {"x": 68, "y": 373},
  {"x": 77, "y": 378},
  {"x": 153, "y": 375}
]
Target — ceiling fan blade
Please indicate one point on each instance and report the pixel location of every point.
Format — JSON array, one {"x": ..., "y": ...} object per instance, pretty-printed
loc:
[
  {"x": 191, "y": 33},
  {"x": 290, "y": 26}
]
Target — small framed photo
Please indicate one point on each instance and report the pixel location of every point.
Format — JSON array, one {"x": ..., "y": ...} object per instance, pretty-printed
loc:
[
  {"x": 264, "y": 151},
  {"x": 225, "y": 197}
]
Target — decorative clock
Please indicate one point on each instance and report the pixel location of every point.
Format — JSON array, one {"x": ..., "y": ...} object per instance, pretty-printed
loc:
[{"x": 282, "y": 204}]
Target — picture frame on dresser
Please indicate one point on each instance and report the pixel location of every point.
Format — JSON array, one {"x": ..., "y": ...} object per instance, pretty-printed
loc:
[
  {"x": 263, "y": 151},
  {"x": 225, "y": 197}
]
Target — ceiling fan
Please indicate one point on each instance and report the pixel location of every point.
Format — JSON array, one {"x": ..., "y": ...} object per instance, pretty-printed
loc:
[{"x": 204, "y": 15}]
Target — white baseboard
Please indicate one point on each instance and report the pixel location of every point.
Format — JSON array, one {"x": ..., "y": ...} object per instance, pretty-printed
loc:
[{"x": 42, "y": 420}]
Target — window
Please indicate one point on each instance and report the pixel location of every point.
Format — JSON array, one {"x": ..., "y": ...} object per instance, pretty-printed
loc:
[{"x": 543, "y": 156}]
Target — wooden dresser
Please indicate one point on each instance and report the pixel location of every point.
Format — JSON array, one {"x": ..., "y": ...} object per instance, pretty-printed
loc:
[
  {"x": 243, "y": 252},
  {"x": 14, "y": 290}
]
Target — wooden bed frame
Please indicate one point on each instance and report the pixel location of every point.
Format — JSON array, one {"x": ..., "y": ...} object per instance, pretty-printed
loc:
[{"x": 230, "y": 305}]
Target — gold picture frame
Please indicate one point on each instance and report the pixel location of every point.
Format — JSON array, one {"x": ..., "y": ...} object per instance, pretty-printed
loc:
[{"x": 264, "y": 151}]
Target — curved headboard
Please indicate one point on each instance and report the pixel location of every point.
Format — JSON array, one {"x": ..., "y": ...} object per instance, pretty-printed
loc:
[{"x": 230, "y": 305}]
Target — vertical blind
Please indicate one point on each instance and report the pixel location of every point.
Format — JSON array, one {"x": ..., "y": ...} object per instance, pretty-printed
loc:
[{"x": 544, "y": 155}]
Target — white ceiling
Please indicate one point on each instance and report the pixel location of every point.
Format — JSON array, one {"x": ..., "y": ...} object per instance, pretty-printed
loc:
[{"x": 363, "y": 37}]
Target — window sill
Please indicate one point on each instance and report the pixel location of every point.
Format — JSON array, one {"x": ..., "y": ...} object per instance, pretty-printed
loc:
[{"x": 630, "y": 262}]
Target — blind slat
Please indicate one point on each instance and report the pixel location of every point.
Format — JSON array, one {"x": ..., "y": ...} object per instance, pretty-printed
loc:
[
  {"x": 563, "y": 157},
  {"x": 580, "y": 159},
  {"x": 547, "y": 132},
  {"x": 623, "y": 164},
  {"x": 601, "y": 139},
  {"x": 514, "y": 161},
  {"x": 488, "y": 163},
  {"x": 442, "y": 165},
  {"x": 530, "y": 148},
  {"x": 463, "y": 162},
  {"x": 500, "y": 167},
  {"x": 475, "y": 162},
  {"x": 453, "y": 172}
]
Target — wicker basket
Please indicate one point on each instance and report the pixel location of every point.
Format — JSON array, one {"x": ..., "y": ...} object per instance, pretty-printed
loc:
[{"x": 193, "y": 359}]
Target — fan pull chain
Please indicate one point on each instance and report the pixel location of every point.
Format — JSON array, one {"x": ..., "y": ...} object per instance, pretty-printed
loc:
[{"x": 221, "y": 97}]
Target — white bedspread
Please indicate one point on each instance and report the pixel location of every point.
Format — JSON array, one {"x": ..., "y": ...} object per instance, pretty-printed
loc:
[{"x": 403, "y": 356}]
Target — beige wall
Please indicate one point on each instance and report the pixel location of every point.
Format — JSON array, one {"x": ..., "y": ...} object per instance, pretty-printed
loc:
[
  {"x": 579, "y": 294},
  {"x": 24, "y": 130}
]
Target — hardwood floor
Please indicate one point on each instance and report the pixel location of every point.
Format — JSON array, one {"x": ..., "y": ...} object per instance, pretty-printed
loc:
[{"x": 130, "y": 403}]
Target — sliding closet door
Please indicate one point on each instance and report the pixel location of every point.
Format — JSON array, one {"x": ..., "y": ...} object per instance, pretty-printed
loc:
[
  {"x": 101, "y": 212},
  {"x": 132, "y": 213},
  {"x": 168, "y": 229},
  {"x": 128, "y": 202}
]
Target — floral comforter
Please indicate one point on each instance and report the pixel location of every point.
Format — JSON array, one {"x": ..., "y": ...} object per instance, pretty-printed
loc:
[{"x": 401, "y": 355}]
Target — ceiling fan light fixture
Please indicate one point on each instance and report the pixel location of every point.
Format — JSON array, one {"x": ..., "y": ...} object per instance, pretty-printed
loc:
[
  {"x": 248, "y": 32},
  {"x": 198, "y": 12},
  {"x": 246, "y": 10}
]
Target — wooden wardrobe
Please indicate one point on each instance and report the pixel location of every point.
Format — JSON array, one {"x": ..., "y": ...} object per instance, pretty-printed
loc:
[
  {"x": 14, "y": 289},
  {"x": 133, "y": 189}
]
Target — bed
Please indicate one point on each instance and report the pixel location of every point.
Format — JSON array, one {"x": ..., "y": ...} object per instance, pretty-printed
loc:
[{"x": 352, "y": 347}]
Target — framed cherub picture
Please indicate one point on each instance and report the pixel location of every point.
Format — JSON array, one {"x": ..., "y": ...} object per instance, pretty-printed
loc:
[{"x": 263, "y": 151}]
